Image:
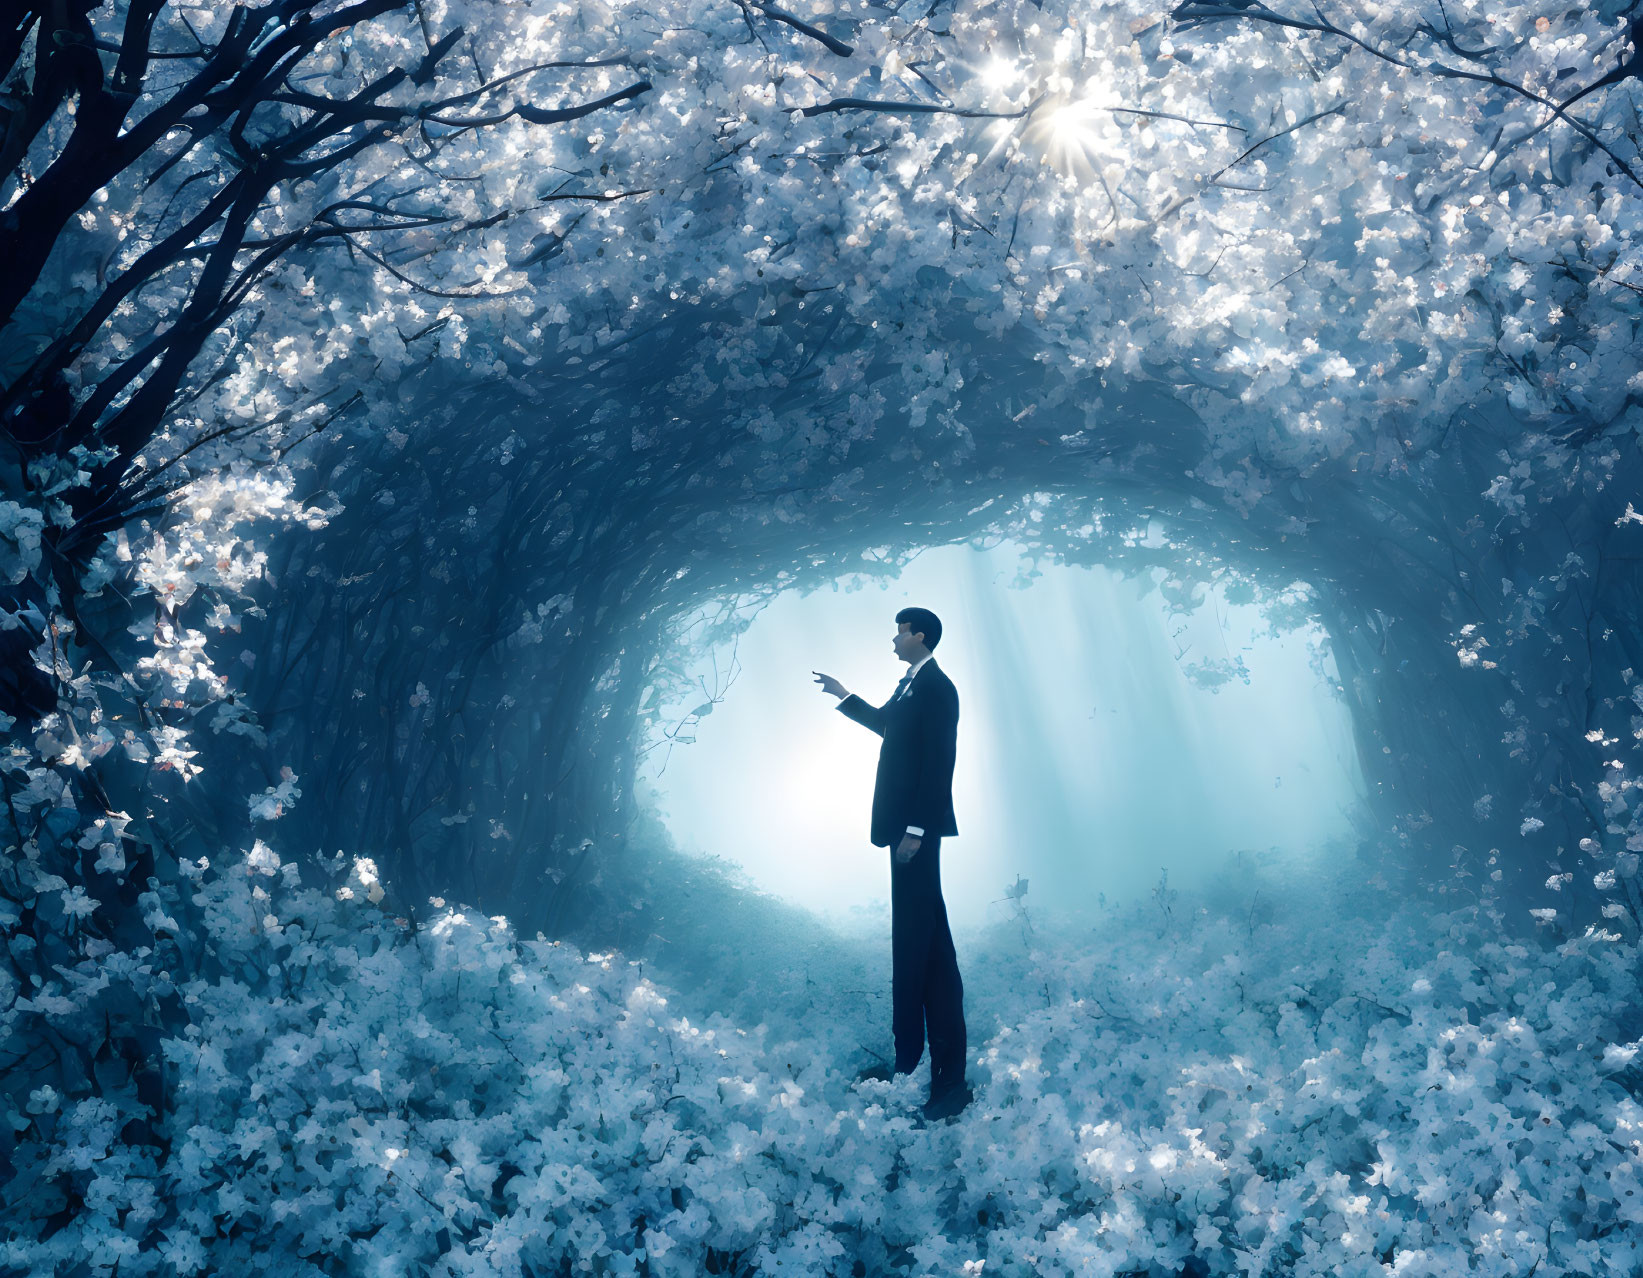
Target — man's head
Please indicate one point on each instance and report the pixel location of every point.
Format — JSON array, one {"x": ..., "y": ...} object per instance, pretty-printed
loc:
[{"x": 918, "y": 631}]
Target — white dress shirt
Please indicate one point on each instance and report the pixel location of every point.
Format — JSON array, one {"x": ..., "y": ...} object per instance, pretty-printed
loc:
[{"x": 916, "y": 831}]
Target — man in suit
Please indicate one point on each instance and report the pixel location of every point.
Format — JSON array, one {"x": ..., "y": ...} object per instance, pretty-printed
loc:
[{"x": 913, "y": 811}]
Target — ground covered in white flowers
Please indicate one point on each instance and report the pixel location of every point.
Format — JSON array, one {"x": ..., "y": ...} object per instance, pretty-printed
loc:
[{"x": 1330, "y": 1083}]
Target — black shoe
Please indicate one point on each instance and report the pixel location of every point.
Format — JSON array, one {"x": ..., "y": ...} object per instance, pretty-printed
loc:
[
  {"x": 949, "y": 1104},
  {"x": 874, "y": 1074}
]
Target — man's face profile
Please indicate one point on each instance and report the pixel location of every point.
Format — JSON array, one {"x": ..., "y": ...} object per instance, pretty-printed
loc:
[{"x": 906, "y": 641}]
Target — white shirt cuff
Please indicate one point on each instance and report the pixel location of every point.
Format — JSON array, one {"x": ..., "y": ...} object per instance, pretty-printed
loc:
[{"x": 915, "y": 831}]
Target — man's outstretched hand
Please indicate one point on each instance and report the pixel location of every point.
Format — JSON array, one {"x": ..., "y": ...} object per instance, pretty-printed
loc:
[
  {"x": 830, "y": 685},
  {"x": 906, "y": 849}
]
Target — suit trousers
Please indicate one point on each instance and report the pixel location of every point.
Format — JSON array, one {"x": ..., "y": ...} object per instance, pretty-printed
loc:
[{"x": 926, "y": 991}]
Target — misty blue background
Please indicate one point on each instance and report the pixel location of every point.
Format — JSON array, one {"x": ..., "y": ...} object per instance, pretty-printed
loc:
[{"x": 1088, "y": 761}]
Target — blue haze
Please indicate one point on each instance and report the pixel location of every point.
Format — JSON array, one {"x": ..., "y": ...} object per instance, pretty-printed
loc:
[{"x": 1088, "y": 761}]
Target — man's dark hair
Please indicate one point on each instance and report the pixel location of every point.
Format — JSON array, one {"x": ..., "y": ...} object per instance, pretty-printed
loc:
[{"x": 921, "y": 621}]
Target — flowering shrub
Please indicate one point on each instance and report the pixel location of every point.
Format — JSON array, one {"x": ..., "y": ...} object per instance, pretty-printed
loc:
[{"x": 359, "y": 1093}]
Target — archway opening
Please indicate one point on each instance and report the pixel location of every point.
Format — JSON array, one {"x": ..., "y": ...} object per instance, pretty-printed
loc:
[{"x": 1111, "y": 743}]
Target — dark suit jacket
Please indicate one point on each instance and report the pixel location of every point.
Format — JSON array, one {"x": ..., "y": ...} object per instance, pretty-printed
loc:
[{"x": 915, "y": 777}]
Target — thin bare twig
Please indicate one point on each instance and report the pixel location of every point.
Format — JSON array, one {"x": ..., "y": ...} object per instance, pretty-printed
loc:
[
  {"x": 1337, "y": 109},
  {"x": 798, "y": 24},
  {"x": 913, "y": 108}
]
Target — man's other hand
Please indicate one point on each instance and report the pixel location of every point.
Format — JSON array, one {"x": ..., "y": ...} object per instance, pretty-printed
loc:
[
  {"x": 906, "y": 848},
  {"x": 830, "y": 685}
]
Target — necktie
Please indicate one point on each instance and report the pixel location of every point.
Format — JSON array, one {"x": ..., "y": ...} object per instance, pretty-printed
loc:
[{"x": 901, "y": 688}]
